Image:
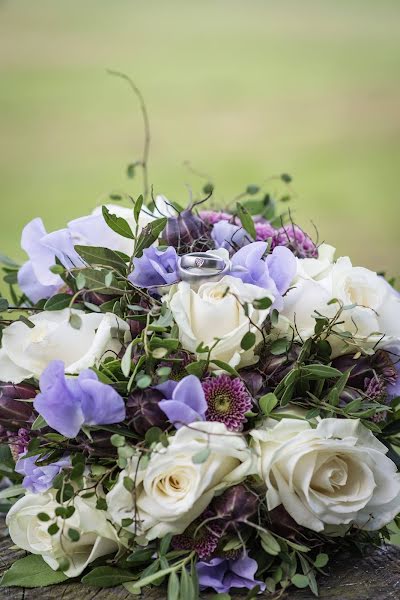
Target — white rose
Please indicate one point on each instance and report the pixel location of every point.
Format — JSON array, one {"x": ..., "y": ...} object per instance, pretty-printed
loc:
[
  {"x": 372, "y": 313},
  {"x": 173, "y": 490},
  {"x": 92, "y": 230},
  {"x": 97, "y": 537},
  {"x": 214, "y": 311},
  {"x": 335, "y": 474},
  {"x": 27, "y": 351},
  {"x": 316, "y": 268}
]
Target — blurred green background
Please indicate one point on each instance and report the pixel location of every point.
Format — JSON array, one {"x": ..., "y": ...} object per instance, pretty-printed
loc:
[{"x": 243, "y": 89}]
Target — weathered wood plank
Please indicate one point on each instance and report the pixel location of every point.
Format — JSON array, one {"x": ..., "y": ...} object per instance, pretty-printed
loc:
[{"x": 376, "y": 577}]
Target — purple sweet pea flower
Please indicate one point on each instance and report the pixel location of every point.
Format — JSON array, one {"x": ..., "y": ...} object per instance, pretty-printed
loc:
[
  {"x": 35, "y": 278},
  {"x": 155, "y": 267},
  {"x": 184, "y": 402},
  {"x": 222, "y": 574},
  {"x": 229, "y": 236},
  {"x": 274, "y": 273},
  {"x": 68, "y": 403},
  {"x": 39, "y": 478}
]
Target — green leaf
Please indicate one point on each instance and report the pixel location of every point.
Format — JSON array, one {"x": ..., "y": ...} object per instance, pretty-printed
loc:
[
  {"x": 95, "y": 279},
  {"x": 196, "y": 368},
  {"x": 137, "y": 208},
  {"x": 321, "y": 560},
  {"x": 225, "y": 367},
  {"x": 31, "y": 571},
  {"x": 153, "y": 435},
  {"x": 143, "y": 382},
  {"x": 201, "y": 457},
  {"x": 246, "y": 220},
  {"x": 8, "y": 262},
  {"x": 173, "y": 587},
  {"x": 117, "y": 224},
  {"x": 136, "y": 586},
  {"x": 106, "y": 577},
  {"x": 300, "y": 581},
  {"x": 141, "y": 555},
  {"x": 280, "y": 346},
  {"x": 149, "y": 235},
  {"x": 74, "y": 535},
  {"x": 3, "y": 304},
  {"x": 187, "y": 588},
  {"x": 58, "y": 302},
  {"x": 38, "y": 423},
  {"x": 322, "y": 371},
  {"x": 104, "y": 257},
  {"x": 267, "y": 403},
  {"x": 126, "y": 362},
  {"x": 12, "y": 491},
  {"x": 42, "y": 516},
  {"x": 75, "y": 321},
  {"x": 248, "y": 340},
  {"x": 130, "y": 170},
  {"x": 262, "y": 303},
  {"x": 269, "y": 543}
]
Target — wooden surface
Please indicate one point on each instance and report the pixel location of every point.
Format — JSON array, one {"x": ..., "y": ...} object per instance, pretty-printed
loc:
[{"x": 376, "y": 577}]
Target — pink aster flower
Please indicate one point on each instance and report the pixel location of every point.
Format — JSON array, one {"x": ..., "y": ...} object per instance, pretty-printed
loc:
[
  {"x": 294, "y": 238},
  {"x": 264, "y": 230},
  {"x": 210, "y": 217},
  {"x": 228, "y": 401}
]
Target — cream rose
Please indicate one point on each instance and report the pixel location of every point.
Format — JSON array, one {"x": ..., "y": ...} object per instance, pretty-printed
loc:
[
  {"x": 372, "y": 313},
  {"x": 335, "y": 474},
  {"x": 173, "y": 490},
  {"x": 214, "y": 311},
  {"x": 97, "y": 537},
  {"x": 27, "y": 351}
]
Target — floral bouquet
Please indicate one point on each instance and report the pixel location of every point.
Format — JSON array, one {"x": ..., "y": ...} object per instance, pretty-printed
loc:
[{"x": 195, "y": 398}]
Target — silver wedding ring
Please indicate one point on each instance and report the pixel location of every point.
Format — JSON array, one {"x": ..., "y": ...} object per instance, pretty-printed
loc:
[{"x": 198, "y": 267}]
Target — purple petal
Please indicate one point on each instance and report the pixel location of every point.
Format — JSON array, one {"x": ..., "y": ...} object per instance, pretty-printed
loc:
[
  {"x": 211, "y": 574},
  {"x": 101, "y": 404},
  {"x": 31, "y": 286},
  {"x": 167, "y": 388},
  {"x": 190, "y": 392},
  {"x": 282, "y": 267},
  {"x": 179, "y": 414},
  {"x": 57, "y": 405}
]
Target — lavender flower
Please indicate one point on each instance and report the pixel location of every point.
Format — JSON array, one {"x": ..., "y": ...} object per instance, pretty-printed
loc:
[
  {"x": 155, "y": 267},
  {"x": 227, "y": 401},
  {"x": 184, "y": 401},
  {"x": 274, "y": 272},
  {"x": 35, "y": 278},
  {"x": 222, "y": 574},
  {"x": 39, "y": 478},
  {"x": 229, "y": 236},
  {"x": 296, "y": 240},
  {"x": 68, "y": 403}
]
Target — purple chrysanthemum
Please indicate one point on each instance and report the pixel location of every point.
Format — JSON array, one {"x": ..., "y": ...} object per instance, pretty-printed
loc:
[
  {"x": 228, "y": 401},
  {"x": 264, "y": 230},
  {"x": 204, "y": 541},
  {"x": 210, "y": 217},
  {"x": 296, "y": 240}
]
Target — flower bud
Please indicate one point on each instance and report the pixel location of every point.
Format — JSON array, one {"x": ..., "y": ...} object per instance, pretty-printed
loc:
[
  {"x": 236, "y": 505},
  {"x": 143, "y": 410},
  {"x": 14, "y": 413},
  {"x": 186, "y": 232}
]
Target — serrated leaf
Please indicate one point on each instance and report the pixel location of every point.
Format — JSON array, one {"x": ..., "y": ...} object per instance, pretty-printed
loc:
[
  {"x": 31, "y": 572},
  {"x": 117, "y": 224}
]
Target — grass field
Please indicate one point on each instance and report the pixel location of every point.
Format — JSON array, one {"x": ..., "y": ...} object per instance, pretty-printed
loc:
[{"x": 243, "y": 90}]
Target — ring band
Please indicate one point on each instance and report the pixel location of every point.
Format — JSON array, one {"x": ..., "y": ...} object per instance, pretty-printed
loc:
[
  {"x": 201, "y": 261},
  {"x": 200, "y": 267}
]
